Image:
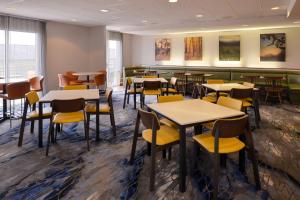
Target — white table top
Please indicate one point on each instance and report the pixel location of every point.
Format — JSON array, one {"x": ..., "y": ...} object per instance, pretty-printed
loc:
[
  {"x": 91, "y": 94},
  {"x": 225, "y": 86},
  {"x": 12, "y": 80},
  {"x": 86, "y": 73},
  {"x": 194, "y": 111},
  {"x": 141, "y": 80}
]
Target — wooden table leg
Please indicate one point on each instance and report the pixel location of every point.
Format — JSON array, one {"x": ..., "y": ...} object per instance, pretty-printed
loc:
[
  {"x": 40, "y": 124},
  {"x": 134, "y": 96},
  {"x": 97, "y": 121},
  {"x": 182, "y": 160}
]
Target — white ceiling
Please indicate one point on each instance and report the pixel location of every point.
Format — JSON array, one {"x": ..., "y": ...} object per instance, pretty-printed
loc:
[{"x": 161, "y": 16}]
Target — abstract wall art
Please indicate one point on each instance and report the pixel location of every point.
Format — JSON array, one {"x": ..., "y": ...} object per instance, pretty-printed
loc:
[
  {"x": 193, "y": 48},
  {"x": 229, "y": 48},
  {"x": 162, "y": 49},
  {"x": 272, "y": 47}
]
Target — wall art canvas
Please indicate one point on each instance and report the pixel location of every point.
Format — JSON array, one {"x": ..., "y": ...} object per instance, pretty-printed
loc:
[
  {"x": 229, "y": 48},
  {"x": 193, "y": 48},
  {"x": 272, "y": 47},
  {"x": 162, "y": 49}
]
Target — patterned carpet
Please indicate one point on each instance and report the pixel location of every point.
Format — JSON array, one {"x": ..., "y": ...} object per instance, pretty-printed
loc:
[{"x": 71, "y": 172}]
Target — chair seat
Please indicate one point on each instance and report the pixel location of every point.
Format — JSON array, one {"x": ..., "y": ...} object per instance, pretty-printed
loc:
[
  {"x": 76, "y": 82},
  {"x": 165, "y": 135},
  {"x": 215, "y": 94},
  {"x": 138, "y": 90},
  {"x": 246, "y": 103},
  {"x": 152, "y": 92},
  {"x": 170, "y": 90},
  {"x": 72, "y": 117},
  {"x": 210, "y": 99},
  {"x": 169, "y": 123},
  {"x": 103, "y": 108},
  {"x": 34, "y": 114},
  {"x": 226, "y": 145}
]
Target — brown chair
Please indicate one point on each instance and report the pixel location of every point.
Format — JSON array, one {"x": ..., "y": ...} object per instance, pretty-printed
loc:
[
  {"x": 151, "y": 88},
  {"x": 64, "y": 80},
  {"x": 152, "y": 73},
  {"x": 197, "y": 79},
  {"x": 15, "y": 91},
  {"x": 228, "y": 136},
  {"x": 104, "y": 109},
  {"x": 31, "y": 100},
  {"x": 130, "y": 91},
  {"x": 180, "y": 82},
  {"x": 73, "y": 78},
  {"x": 273, "y": 88},
  {"x": 100, "y": 80},
  {"x": 66, "y": 111},
  {"x": 36, "y": 83},
  {"x": 158, "y": 137}
]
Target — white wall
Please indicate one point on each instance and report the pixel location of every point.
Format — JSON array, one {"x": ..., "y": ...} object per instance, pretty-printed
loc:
[
  {"x": 73, "y": 48},
  {"x": 142, "y": 49},
  {"x": 127, "y": 49}
]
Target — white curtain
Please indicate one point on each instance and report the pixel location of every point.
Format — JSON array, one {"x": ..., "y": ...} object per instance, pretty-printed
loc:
[{"x": 22, "y": 48}]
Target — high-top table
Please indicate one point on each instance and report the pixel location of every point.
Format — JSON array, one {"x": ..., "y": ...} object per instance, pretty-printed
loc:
[
  {"x": 138, "y": 81},
  {"x": 186, "y": 114},
  {"x": 87, "y": 95},
  {"x": 87, "y": 74}
]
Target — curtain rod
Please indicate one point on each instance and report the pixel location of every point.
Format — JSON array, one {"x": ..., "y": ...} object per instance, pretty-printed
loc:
[{"x": 21, "y": 17}]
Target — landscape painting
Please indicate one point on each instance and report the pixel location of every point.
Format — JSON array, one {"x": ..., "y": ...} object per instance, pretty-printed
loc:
[
  {"x": 229, "y": 48},
  {"x": 272, "y": 47},
  {"x": 193, "y": 48},
  {"x": 162, "y": 49}
]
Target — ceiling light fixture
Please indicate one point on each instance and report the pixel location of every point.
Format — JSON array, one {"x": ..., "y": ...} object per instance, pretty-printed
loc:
[
  {"x": 199, "y": 16},
  {"x": 144, "y": 21},
  {"x": 173, "y": 1},
  {"x": 74, "y": 20},
  {"x": 275, "y": 8},
  {"x": 104, "y": 10},
  {"x": 245, "y": 25}
]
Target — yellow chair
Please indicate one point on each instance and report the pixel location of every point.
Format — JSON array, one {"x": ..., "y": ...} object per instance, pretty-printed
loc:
[
  {"x": 172, "y": 89},
  {"x": 226, "y": 102},
  {"x": 151, "y": 88},
  {"x": 158, "y": 136},
  {"x": 104, "y": 109},
  {"x": 75, "y": 87},
  {"x": 216, "y": 81},
  {"x": 164, "y": 99},
  {"x": 224, "y": 140},
  {"x": 31, "y": 99},
  {"x": 130, "y": 91},
  {"x": 67, "y": 111}
]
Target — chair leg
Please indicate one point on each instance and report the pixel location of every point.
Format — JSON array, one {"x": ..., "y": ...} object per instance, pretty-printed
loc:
[
  {"x": 128, "y": 98},
  {"x": 49, "y": 137},
  {"x": 21, "y": 132},
  {"x": 164, "y": 153},
  {"x": 148, "y": 148},
  {"x": 255, "y": 168},
  {"x": 279, "y": 97},
  {"x": 88, "y": 118},
  {"x": 57, "y": 129},
  {"x": 242, "y": 161},
  {"x": 195, "y": 155},
  {"x": 256, "y": 115},
  {"x": 216, "y": 176},
  {"x": 86, "y": 133},
  {"x": 10, "y": 122},
  {"x": 113, "y": 124},
  {"x": 170, "y": 153},
  {"x": 124, "y": 103},
  {"x": 32, "y": 126},
  {"x": 152, "y": 170},
  {"x": 266, "y": 99}
]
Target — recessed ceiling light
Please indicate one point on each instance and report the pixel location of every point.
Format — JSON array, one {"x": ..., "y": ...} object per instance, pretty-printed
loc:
[
  {"x": 199, "y": 16},
  {"x": 144, "y": 21},
  {"x": 104, "y": 10},
  {"x": 74, "y": 20},
  {"x": 275, "y": 8},
  {"x": 296, "y": 22},
  {"x": 173, "y": 1},
  {"x": 245, "y": 25},
  {"x": 11, "y": 9}
]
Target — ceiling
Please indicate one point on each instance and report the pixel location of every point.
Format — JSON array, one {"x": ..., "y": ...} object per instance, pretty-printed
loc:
[{"x": 156, "y": 16}]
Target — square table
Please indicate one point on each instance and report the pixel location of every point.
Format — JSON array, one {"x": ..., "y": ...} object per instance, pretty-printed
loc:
[
  {"x": 224, "y": 87},
  {"x": 87, "y": 95},
  {"x": 137, "y": 81},
  {"x": 185, "y": 114}
]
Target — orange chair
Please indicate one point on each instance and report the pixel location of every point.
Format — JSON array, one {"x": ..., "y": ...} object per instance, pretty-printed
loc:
[
  {"x": 64, "y": 80},
  {"x": 73, "y": 78},
  {"x": 36, "y": 83}
]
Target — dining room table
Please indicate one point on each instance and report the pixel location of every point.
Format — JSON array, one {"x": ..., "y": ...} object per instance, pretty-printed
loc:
[
  {"x": 185, "y": 114},
  {"x": 140, "y": 81},
  {"x": 91, "y": 95}
]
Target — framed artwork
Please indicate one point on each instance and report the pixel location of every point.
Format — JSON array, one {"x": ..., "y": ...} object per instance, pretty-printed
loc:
[
  {"x": 229, "y": 48},
  {"x": 162, "y": 49},
  {"x": 272, "y": 47},
  {"x": 193, "y": 48}
]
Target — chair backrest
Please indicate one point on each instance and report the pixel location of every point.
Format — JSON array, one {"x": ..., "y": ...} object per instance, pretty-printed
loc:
[
  {"x": 180, "y": 76},
  {"x": 173, "y": 81},
  {"x": 100, "y": 79},
  {"x": 171, "y": 98},
  {"x": 151, "y": 73},
  {"x": 139, "y": 74},
  {"x": 108, "y": 96},
  {"x": 17, "y": 90},
  {"x": 197, "y": 78},
  {"x": 63, "y": 80},
  {"x": 228, "y": 128},
  {"x": 238, "y": 93},
  {"x": 75, "y": 87},
  {"x": 250, "y": 85},
  {"x": 32, "y": 97},
  {"x": 273, "y": 81},
  {"x": 152, "y": 85},
  {"x": 70, "y": 75},
  {"x": 36, "y": 83},
  {"x": 149, "y": 120},
  {"x": 215, "y": 81},
  {"x": 230, "y": 103},
  {"x": 65, "y": 106}
]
